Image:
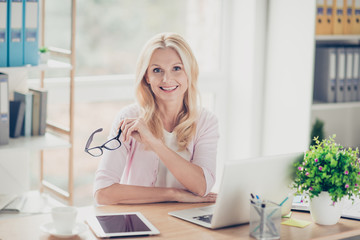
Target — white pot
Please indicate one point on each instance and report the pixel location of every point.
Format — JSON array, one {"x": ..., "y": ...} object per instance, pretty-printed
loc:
[
  {"x": 323, "y": 211},
  {"x": 44, "y": 57}
]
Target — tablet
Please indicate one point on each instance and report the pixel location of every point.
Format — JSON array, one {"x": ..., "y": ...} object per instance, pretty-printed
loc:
[{"x": 121, "y": 225}]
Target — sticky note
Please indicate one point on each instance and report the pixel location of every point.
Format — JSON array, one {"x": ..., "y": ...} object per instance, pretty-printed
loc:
[
  {"x": 288, "y": 215},
  {"x": 296, "y": 223}
]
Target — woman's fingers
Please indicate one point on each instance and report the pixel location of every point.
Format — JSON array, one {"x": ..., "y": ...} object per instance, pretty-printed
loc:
[
  {"x": 187, "y": 196},
  {"x": 127, "y": 131},
  {"x": 211, "y": 197},
  {"x": 125, "y": 124}
]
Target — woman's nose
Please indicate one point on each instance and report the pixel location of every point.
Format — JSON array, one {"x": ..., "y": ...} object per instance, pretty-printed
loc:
[{"x": 167, "y": 76}]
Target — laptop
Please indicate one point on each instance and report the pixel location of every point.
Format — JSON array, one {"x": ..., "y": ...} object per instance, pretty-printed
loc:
[{"x": 268, "y": 177}]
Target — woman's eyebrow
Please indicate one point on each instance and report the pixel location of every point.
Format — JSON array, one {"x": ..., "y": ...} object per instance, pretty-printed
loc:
[{"x": 157, "y": 65}]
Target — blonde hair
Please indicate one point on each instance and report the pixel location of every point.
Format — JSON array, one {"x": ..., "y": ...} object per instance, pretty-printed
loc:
[{"x": 186, "y": 120}]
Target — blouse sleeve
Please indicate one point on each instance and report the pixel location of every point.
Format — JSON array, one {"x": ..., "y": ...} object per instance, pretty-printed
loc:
[
  {"x": 205, "y": 148},
  {"x": 113, "y": 162}
]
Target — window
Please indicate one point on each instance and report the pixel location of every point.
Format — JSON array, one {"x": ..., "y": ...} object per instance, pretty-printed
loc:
[{"x": 110, "y": 33}]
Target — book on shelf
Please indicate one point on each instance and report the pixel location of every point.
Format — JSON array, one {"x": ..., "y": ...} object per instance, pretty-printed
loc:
[
  {"x": 17, "y": 111},
  {"x": 27, "y": 98},
  {"x": 39, "y": 111}
]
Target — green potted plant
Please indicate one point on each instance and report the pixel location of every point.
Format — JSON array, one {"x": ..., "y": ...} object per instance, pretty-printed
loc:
[
  {"x": 328, "y": 173},
  {"x": 317, "y": 131},
  {"x": 44, "y": 55}
]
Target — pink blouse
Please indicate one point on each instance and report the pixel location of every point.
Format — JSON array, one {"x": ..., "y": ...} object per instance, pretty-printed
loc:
[{"x": 133, "y": 165}]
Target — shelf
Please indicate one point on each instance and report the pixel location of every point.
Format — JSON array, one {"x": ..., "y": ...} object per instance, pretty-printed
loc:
[
  {"x": 337, "y": 38},
  {"x": 52, "y": 64},
  {"x": 48, "y": 141},
  {"x": 334, "y": 106}
]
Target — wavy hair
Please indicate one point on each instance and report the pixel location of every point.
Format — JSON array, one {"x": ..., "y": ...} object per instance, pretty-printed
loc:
[{"x": 186, "y": 119}]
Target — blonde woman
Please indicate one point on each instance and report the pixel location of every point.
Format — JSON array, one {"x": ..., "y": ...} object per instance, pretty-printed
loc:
[{"x": 169, "y": 143}]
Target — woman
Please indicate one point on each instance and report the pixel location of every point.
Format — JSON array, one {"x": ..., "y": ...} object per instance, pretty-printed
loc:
[{"x": 169, "y": 144}]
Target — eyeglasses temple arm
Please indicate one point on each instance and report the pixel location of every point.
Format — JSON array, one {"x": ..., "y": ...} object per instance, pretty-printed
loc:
[{"x": 91, "y": 138}]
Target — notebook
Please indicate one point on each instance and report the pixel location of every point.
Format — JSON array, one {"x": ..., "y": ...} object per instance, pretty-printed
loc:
[
  {"x": 6, "y": 199},
  {"x": 268, "y": 177}
]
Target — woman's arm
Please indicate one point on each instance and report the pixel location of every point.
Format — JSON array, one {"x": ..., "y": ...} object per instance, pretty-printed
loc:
[
  {"x": 120, "y": 193},
  {"x": 189, "y": 174}
]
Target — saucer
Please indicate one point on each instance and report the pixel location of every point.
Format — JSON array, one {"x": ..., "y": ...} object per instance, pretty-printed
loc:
[{"x": 50, "y": 229}]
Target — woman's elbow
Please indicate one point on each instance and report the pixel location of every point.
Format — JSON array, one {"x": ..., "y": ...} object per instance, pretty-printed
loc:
[
  {"x": 200, "y": 191},
  {"x": 103, "y": 197}
]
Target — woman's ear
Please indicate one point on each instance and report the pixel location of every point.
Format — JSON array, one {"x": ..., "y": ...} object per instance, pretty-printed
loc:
[{"x": 147, "y": 78}]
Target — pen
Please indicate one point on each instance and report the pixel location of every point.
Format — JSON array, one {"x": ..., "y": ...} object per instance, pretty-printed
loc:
[
  {"x": 282, "y": 203},
  {"x": 262, "y": 219}
]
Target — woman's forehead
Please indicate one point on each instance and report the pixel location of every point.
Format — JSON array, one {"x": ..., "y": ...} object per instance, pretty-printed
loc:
[{"x": 163, "y": 56}]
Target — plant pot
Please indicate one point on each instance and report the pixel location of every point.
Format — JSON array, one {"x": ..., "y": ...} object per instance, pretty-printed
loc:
[
  {"x": 44, "y": 57},
  {"x": 323, "y": 211}
]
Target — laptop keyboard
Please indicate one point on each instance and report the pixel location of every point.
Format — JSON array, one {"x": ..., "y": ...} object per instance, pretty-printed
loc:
[{"x": 205, "y": 218}]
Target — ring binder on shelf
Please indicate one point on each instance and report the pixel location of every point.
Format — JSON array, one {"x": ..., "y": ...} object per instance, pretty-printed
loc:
[
  {"x": 31, "y": 32},
  {"x": 4, "y": 109},
  {"x": 15, "y": 36},
  {"x": 3, "y": 33}
]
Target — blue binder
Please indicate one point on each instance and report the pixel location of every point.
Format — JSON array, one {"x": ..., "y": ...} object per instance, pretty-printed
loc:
[
  {"x": 3, "y": 33},
  {"x": 31, "y": 34},
  {"x": 15, "y": 37}
]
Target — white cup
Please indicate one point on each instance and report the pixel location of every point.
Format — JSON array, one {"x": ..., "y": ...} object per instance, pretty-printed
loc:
[{"x": 64, "y": 219}]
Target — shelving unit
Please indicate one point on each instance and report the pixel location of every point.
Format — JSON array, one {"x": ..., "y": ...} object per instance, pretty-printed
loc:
[
  {"x": 51, "y": 65},
  {"x": 341, "y": 38},
  {"x": 57, "y": 137},
  {"x": 48, "y": 141},
  {"x": 339, "y": 118},
  {"x": 67, "y": 195}
]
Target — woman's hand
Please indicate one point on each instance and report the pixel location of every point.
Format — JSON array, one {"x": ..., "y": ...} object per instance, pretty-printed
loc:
[
  {"x": 136, "y": 128},
  {"x": 188, "y": 197}
]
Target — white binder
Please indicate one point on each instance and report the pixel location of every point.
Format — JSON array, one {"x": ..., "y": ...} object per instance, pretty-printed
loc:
[
  {"x": 348, "y": 74},
  {"x": 340, "y": 74},
  {"x": 325, "y": 74},
  {"x": 355, "y": 87},
  {"x": 4, "y": 109}
]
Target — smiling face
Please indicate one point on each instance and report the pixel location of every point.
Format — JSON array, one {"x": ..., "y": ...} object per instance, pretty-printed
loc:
[{"x": 166, "y": 76}]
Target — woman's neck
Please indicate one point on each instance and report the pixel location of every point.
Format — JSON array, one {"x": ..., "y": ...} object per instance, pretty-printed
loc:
[{"x": 169, "y": 115}]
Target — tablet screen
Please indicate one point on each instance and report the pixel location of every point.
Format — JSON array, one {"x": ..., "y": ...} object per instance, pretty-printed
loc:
[{"x": 122, "y": 223}]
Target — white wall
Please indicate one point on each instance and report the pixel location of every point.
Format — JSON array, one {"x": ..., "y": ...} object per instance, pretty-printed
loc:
[
  {"x": 289, "y": 74},
  {"x": 271, "y": 71},
  {"x": 246, "y": 74}
]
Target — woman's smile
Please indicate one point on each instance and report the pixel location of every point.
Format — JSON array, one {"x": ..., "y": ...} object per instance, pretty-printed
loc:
[{"x": 169, "y": 88}]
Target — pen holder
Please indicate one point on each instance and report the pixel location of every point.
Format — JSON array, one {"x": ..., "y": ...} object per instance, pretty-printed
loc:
[{"x": 265, "y": 218}]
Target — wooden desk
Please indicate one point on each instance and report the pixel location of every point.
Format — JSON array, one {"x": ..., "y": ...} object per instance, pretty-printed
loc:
[{"x": 173, "y": 228}]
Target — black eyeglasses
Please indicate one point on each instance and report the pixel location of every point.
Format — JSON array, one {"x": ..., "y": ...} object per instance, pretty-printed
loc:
[{"x": 111, "y": 144}]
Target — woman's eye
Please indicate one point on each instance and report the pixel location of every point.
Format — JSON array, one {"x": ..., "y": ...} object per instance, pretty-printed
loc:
[
  {"x": 177, "y": 68},
  {"x": 156, "y": 70}
]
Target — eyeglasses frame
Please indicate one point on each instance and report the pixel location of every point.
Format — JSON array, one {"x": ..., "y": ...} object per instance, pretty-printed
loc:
[{"x": 89, "y": 141}]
